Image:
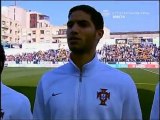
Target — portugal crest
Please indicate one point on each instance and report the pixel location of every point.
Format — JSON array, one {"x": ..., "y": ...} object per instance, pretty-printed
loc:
[{"x": 103, "y": 96}]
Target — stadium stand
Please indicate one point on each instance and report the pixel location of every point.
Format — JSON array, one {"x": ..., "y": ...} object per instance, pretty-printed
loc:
[{"x": 107, "y": 54}]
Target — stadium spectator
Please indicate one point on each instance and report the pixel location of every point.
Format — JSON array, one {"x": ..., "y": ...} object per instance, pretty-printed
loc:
[
  {"x": 14, "y": 105},
  {"x": 109, "y": 53},
  {"x": 155, "y": 113},
  {"x": 85, "y": 88}
]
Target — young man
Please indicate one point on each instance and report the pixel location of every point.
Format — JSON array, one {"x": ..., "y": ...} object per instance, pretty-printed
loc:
[
  {"x": 14, "y": 105},
  {"x": 85, "y": 88},
  {"x": 155, "y": 113}
]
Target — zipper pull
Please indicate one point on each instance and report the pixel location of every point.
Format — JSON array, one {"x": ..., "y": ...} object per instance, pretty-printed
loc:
[{"x": 80, "y": 79}]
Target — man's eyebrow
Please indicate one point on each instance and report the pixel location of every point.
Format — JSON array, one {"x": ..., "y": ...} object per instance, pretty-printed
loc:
[
  {"x": 82, "y": 21},
  {"x": 72, "y": 21}
]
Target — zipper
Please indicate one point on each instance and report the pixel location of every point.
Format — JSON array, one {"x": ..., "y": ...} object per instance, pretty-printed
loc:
[
  {"x": 79, "y": 93},
  {"x": 80, "y": 78}
]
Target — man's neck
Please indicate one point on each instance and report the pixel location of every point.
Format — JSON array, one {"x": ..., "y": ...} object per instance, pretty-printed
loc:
[{"x": 81, "y": 59}]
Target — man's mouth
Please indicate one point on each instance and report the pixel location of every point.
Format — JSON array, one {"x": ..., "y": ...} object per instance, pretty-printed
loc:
[{"x": 74, "y": 39}]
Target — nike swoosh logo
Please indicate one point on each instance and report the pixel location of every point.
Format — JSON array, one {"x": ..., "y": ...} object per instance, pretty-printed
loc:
[{"x": 53, "y": 94}]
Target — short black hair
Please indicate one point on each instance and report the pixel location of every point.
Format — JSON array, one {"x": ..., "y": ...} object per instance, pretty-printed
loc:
[
  {"x": 96, "y": 16},
  {"x": 2, "y": 58}
]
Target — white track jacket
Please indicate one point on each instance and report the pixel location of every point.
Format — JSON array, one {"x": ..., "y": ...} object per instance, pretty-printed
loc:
[
  {"x": 99, "y": 92},
  {"x": 14, "y": 105}
]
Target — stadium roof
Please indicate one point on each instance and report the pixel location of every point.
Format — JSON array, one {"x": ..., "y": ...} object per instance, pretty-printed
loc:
[{"x": 138, "y": 32}]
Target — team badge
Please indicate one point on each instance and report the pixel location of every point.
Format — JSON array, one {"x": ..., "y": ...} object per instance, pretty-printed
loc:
[{"x": 103, "y": 96}]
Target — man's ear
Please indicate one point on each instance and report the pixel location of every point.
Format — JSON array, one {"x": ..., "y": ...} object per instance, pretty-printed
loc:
[{"x": 99, "y": 34}]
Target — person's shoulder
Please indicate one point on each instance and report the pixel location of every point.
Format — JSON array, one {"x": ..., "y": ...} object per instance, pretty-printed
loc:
[
  {"x": 14, "y": 102},
  {"x": 157, "y": 87},
  {"x": 14, "y": 95},
  {"x": 114, "y": 71},
  {"x": 55, "y": 71},
  {"x": 119, "y": 76},
  {"x": 58, "y": 69}
]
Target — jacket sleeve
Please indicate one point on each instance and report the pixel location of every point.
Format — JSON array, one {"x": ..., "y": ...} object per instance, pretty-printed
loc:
[
  {"x": 39, "y": 105},
  {"x": 155, "y": 106},
  {"x": 131, "y": 106}
]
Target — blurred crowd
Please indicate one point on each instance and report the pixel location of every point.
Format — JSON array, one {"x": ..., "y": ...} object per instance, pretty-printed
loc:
[
  {"x": 54, "y": 56},
  {"x": 108, "y": 53},
  {"x": 129, "y": 53}
]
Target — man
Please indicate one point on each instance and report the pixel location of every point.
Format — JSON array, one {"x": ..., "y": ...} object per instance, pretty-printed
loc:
[
  {"x": 85, "y": 88},
  {"x": 155, "y": 106},
  {"x": 14, "y": 105}
]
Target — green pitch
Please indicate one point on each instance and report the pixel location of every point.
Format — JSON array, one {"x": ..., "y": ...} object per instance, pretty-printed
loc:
[{"x": 25, "y": 81}]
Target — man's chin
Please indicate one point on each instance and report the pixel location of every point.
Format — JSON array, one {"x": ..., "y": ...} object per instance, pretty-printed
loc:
[{"x": 76, "y": 50}]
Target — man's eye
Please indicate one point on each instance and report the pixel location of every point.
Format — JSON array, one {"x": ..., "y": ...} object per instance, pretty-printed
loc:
[{"x": 82, "y": 24}]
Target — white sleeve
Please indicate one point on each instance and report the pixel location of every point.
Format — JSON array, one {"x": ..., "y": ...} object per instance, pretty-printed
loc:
[
  {"x": 155, "y": 106},
  {"x": 131, "y": 106},
  {"x": 39, "y": 107}
]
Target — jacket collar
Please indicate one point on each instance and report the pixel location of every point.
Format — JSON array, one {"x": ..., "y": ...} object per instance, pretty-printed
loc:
[{"x": 87, "y": 68}]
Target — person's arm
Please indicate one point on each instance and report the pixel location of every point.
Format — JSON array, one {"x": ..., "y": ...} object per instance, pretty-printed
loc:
[
  {"x": 155, "y": 106},
  {"x": 131, "y": 106}
]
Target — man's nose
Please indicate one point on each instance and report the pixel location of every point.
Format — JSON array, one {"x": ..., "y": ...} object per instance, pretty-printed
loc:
[{"x": 75, "y": 28}]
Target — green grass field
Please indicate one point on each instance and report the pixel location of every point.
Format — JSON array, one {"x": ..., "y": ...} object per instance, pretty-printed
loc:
[{"x": 25, "y": 81}]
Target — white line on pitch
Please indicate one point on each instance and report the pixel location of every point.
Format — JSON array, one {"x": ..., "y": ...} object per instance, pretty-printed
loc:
[
  {"x": 149, "y": 71},
  {"x": 144, "y": 84}
]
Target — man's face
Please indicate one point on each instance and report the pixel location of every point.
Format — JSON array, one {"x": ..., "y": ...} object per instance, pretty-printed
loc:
[{"x": 81, "y": 33}]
